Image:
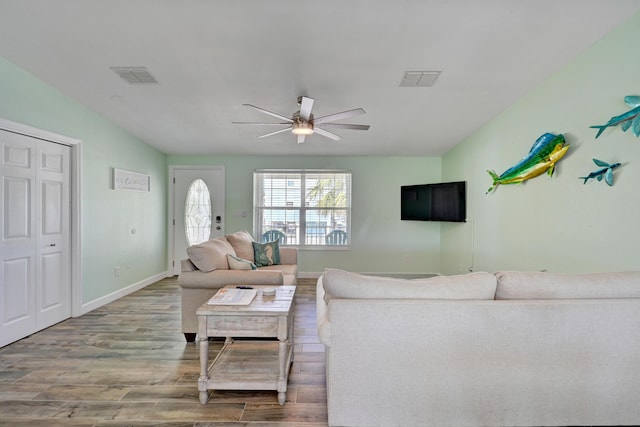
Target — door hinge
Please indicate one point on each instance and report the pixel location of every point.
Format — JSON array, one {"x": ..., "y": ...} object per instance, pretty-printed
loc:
[
  {"x": 174, "y": 222},
  {"x": 174, "y": 180}
]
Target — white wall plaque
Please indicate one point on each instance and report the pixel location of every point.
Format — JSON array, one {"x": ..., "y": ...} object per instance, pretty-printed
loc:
[{"x": 129, "y": 180}]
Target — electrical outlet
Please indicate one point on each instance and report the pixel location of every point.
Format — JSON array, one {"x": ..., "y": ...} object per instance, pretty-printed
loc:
[{"x": 116, "y": 272}]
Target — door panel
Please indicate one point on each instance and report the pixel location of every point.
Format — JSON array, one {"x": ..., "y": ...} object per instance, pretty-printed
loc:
[
  {"x": 53, "y": 247},
  {"x": 51, "y": 212},
  {"x": 17, "y": 208},
  {"x": 17, "y": 270},
  {"x": 17, "y": 300},
  {"x": 14, "y": 155},
  {"x": 214, "y": 178},
  {"x": 52, "y": 296}
]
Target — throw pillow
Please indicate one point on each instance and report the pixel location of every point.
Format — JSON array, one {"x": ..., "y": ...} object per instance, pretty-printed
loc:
[
  {"x": 544, "y": 285},
  {"x": 210, "y": 255},
  {"x": 236, "y": 263},
  {"x": 241, "y": 243},
  {"x": 266, "y": 253},
  {"x": 345, "y": 284}
]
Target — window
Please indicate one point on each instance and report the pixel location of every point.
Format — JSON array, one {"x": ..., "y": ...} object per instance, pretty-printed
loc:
[
  {"x": 309, "y": 206},
  {"x": 197, "y": 213}
]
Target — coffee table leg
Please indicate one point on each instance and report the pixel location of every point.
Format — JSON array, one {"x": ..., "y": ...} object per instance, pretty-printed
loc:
[
  {"x": 204, "y": 369},
  {"x": 282, "y": 375}
]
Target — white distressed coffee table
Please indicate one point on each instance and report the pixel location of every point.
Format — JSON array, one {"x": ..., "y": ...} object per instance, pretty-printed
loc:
[{"x": 248, "y": 364}]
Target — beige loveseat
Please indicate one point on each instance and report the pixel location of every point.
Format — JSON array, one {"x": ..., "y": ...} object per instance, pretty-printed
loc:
[
  {"x": 226, "y": 261},
  {"x": 510, "y": 349}
]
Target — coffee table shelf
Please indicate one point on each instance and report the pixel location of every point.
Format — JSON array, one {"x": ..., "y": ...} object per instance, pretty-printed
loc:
[{"x": 248, "y": 365}]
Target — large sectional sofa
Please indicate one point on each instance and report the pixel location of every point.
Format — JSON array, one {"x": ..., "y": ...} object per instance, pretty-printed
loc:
[
  {"x": 505, "y": 349},
  {"x": 234, "y": 259}
]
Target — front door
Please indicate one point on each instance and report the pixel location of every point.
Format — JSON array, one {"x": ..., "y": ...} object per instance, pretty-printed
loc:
[
  {"x": 198, "y": 208},
  {"x": 35, "y": 265}
]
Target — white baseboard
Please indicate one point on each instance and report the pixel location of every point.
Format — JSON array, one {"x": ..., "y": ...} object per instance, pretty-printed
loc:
[
  {"x": 99, "y": 302},
  {"x": 309, "y": 275}
]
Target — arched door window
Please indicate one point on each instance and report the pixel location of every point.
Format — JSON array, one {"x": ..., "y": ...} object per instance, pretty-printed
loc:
[{"x": 197, "y": 213}]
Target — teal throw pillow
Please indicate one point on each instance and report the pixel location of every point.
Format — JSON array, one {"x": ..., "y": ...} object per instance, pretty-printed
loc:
[{"x": 266, "y": 253}]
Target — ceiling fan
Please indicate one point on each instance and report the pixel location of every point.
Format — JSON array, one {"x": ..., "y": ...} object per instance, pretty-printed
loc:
[{"x": 302, "y": 123}]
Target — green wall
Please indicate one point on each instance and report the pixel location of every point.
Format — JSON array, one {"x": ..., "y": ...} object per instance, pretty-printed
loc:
[
  {"x": 380, "y": 241},
  {"x": 556, "y": 224},
  {"x": 108, "y": 216}
]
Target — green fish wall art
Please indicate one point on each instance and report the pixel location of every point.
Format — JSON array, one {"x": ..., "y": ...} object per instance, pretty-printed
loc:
[
  {"x": 545, "y": 152},
  {"x": 630, "y": 119}
]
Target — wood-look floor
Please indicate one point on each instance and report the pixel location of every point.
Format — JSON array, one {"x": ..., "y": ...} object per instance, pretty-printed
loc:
[{"x": 128, "y": 364}]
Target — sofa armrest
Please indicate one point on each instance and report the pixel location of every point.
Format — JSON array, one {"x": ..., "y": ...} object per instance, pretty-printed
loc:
[
  {"x": 288, "y": 255},
  {"x": 187, "y": 265},
  {"x": 220, "y": 278},
  {"x": 322, "y": 317}
]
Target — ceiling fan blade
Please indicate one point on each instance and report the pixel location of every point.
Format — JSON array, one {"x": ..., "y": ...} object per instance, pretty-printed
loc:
[
  {"x": 286, "y": 119},
  {"x": 323, "y": 132},
  {"x": 346, "y": 126},
  {"x": 339, "y": 116},
  {"x": 276, "y": 132},
  {"x": 305, "y": 108},
  {"x": 258, "y": 123},
  {"x": 301, "y": 139}
]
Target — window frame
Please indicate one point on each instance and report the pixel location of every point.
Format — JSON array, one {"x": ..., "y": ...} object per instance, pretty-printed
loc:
[{"x": 299, "y": 207}]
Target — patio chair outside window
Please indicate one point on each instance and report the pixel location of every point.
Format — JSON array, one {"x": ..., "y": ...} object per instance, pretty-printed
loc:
[
  {"x": 336, "y": 237},
  {"x": 273, "y": 235}
]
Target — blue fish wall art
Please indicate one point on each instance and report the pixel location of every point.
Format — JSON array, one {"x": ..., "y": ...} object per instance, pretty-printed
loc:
[
  {"x": 606, "y": 171},
  {"x": 628, "y": 120}
]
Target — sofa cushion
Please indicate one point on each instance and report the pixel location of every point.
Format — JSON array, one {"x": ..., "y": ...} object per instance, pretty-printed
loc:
[
  {"x": 543, "y": 285},
  {"x": 344, "y": 284},
  {"x": 237, "y": 263},
  {"x": 241, "y": 243},
  {"x": 266, "y": 253},
  {"x": 211, "y": 255}
]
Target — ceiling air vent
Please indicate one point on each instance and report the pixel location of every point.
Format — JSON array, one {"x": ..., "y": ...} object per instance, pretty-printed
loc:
[
  {"x": 134, "y": 75},
  {"x": 419, "y": 78}
]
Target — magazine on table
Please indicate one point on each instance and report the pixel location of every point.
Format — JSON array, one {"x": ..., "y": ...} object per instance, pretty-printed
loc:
[{"x": 233, "y": 296}]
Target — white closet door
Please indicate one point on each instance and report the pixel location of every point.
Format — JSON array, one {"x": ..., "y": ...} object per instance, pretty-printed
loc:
[
  {"x": 35, "y": 265},
  {"x": 54, "y": 268}
]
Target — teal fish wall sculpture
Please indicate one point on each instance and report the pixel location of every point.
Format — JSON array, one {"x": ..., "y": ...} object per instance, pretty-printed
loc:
[
  {"x": 542, "y": 157},
  {"x": 606, "y": 171},
  {"x": 630, "y": 119}
]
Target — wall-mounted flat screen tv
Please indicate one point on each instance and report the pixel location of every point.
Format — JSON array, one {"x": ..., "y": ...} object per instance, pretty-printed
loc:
[{"x": 445, "y": 201}]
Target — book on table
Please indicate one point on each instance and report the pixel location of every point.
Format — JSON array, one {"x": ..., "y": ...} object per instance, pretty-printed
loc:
[{"x": 233, "y": 296}]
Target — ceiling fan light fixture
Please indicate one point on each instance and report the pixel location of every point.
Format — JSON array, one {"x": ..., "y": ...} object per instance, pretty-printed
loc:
[
  {"x": 304, "y": 128},
  {"x": 302, "y": 123}
]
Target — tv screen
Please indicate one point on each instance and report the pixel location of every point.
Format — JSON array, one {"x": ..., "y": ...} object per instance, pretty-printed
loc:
[{"x": 444, "y": 201}]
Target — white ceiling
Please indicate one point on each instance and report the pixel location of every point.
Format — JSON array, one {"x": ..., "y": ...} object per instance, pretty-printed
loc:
[{"x": 211, "y": 56}]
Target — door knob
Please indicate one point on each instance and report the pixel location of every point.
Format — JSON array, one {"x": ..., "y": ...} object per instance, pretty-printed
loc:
[
  {"x": 218, "y": 228},
  {"x": 52, "y": 244}
]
